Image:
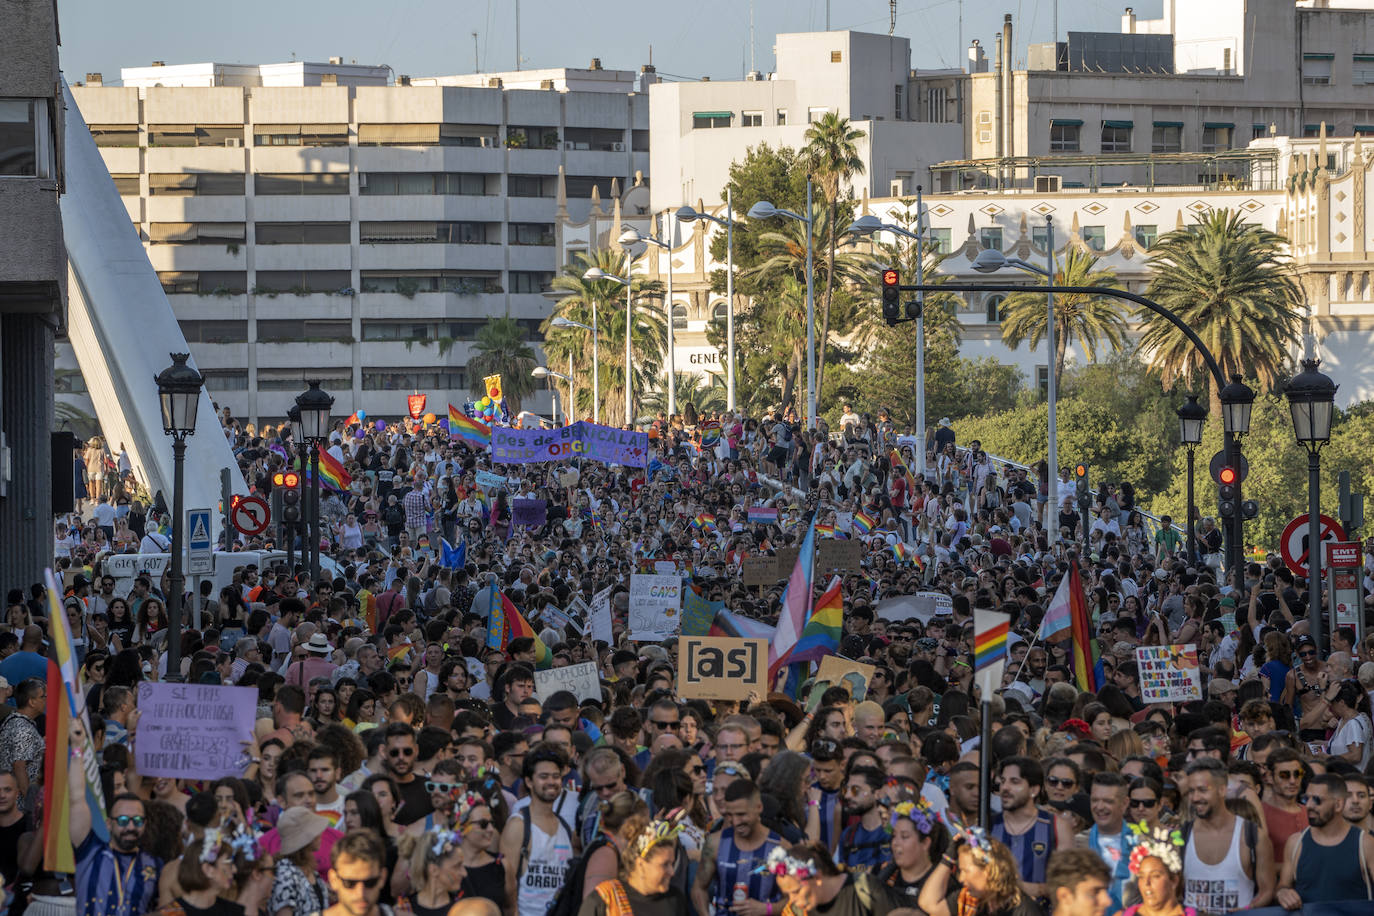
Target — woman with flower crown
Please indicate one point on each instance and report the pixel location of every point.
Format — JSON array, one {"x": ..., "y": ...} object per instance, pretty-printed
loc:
[
  {"x": 918, "y": 842},
  {"x": 436, "y": 871},
  {"x": 1156, "y": 864},
  {"x": 990, "y": 882},
  {"x": 208, "y": 875},
  {"x": 645, "y": 884}
]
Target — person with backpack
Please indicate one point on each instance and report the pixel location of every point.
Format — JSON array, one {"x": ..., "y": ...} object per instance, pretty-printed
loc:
[
  {"x": 730, "y": 878},
  {"x": 538, "y": 846},
  {"x": 1225, "y": 865},
  {"x": 645, "y": 885}
]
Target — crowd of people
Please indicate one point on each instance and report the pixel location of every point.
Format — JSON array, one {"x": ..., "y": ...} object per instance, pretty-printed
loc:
[{"x": 403, "y": 760}]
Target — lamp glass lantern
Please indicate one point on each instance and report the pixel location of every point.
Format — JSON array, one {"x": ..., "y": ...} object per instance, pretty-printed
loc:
[
  {"x": 315, "y": 406},
  {"x": 178, "y": 391},
  {"x": 1311, "y": 398},
  {"x": 293, "y": 415},
  {"x": 1192, "y": 416},
  {"x": 1237, "y": 399}
]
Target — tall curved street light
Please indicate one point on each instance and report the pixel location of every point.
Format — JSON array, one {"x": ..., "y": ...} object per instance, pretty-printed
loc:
[
  {"x": 990, "y": 260},
  {"x": 561, "y": 322},
  {"x": 632, "y": 236},
  {"x": 596, "y": 273},
  {"x": 765, "y": 210},
  {"x": 688, "y": 214},
  {"x": 178, "y": 392},
  {"x": 544, "y": 372},
  {"x": 315, "y": 405}
]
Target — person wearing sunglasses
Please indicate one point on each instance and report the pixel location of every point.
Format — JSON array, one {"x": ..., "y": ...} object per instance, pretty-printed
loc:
[
  {"x": 486, "y": 874},
  {"x": 401, "y": 753},
  {"x": 359, "y": 874},
  {"x": 1143, "y": 802}
]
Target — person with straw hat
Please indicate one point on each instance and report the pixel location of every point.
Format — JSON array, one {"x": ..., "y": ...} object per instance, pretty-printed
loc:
[{"x": 298, "y": 889}]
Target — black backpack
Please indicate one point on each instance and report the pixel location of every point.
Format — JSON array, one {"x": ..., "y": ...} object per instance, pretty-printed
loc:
[{"x": 569, "y": 898}]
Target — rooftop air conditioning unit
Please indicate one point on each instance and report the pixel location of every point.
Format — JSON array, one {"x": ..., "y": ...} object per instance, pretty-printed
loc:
[
  {"x": 1048, "y": 184},
  {"x": 233, "y": 141},
  {"x": 618, "y": 147}
]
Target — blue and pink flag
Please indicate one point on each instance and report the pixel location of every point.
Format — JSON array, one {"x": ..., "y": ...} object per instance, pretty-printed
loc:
[{"x": 796, "y": 603}]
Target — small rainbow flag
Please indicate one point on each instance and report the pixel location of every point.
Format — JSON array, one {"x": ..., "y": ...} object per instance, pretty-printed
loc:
[
  {"x": 825, "y": 531},
  {"x": 821, "y": 634},
  {"x": 864, "y": 523},
  {"x": 506, "y": 623},
  {"x": 710, "y": 433},
  {"x": 900, "y": 552},
  {"x": 990, "y": 629},
  {"x": 469, "y": 430},
  {"x": 332, "y": 473}
]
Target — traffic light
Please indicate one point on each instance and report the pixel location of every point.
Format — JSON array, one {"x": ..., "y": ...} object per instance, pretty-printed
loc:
[
  {"x": 1080, "y": 473},
  {"x": 1249, "y": 509},
  {"x": 1226, "y": 492},
  {"x": 892, "y": 311},
  {"x": 290, "y": 484}
]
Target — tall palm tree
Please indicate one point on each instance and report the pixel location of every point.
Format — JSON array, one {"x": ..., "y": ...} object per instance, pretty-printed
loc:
[
  {"x": 500, "y": 349},
  {"x": 648, "y": 342},
  {"x": 1084, "y": 318},
  {"x": 1231, "y": 282},
  {"x": 705, "y": 393},
  {"x": 832, "y": 156}
]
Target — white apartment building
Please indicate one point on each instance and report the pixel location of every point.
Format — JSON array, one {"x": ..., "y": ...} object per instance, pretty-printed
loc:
[{"x": 322, "y": 220}]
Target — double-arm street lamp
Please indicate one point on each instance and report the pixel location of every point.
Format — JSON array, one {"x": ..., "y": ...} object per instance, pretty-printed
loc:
[
  {"x": 561, "y": 322},
  {"x": 1311, "y": 396},
  {"x": 765, "y": 210},
  {"x": 178, "y": 391},
  {"x": 544, "y": 372},
  {"x": 594, "y": 274},
  {"x": 687, "y": 215}
]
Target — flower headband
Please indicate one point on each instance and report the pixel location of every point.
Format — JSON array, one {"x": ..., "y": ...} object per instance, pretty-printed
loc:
[
  {"x": 242, "y": 840},
  {"x": 1161, "y": 842},
  {"x": 444, "y": 841},
  {"x": 659, "y": 831},
  {"x": 918, "y": 812},
  {"x": 780, "y": 864},
  {"x": 975, "y": 838}
]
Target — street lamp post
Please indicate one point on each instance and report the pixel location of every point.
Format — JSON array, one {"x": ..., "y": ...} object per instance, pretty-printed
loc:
[
  {"x": 632, "y": 236},
  {"x": 1311, "y": 395},
  {"x": 1191, "y": 418},
  {"x": 989, "y": 260},
  {"x": 596, "y": 273},
  {"x": 315, "y": 406},
  {"x": 688, "y": 214},
  {"x": 293, "y": 416},
  {"x": 765, "y": 210},
  {"x": 1237, "y": 399},
  {"x": 178, "y": 390},
  {"x": 561, "y": 322},
  {"x": 544, "y": 372}
]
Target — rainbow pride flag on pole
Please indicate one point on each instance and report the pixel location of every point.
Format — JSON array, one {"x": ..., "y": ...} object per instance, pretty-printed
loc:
[
  {"x": 821, "y": 634},
  {"x": 864, "y": 523},
  {"x": 1084, "y": 647},
  {"x": 506, "y": 623},
  {"x": 462, "y": 426},
  {"x": 332, "y": 473}
]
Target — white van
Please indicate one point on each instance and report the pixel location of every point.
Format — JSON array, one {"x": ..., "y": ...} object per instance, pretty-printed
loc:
[{"x": 125, "y": 567}]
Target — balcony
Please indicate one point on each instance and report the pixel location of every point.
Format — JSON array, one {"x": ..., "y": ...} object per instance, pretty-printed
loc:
[
  {"x": 221, "y": 356},
  {"x": 533, "y": 257},
  {"x": 192, "y": 307},
  {"x": 300, "y": 158},
  {"x": 439, "y": 207},
  {"x": 212, "y": 208},
  {"x": 308, "y": 305},
  {"x": 305, "y": 353},
  {"x": 431, "y": 256},
  {"x": 399, "y": 353},
  {"x": 316, "y": 208},
  {"x": 532, "y": 209},
  {"x": 431, "y": 306},
  {"x": 122, "y": 160},
  {"x": 194, "y": 159},
  {"x": 431, "y": 159},
  {"x": 302, "y": 257},
  {"x": 197, "y": 257}
]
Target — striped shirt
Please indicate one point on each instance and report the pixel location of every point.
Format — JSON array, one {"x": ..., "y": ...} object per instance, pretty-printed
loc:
[
  {"x": 736, "y": 878},
  {"x": 110, "y": 883}
]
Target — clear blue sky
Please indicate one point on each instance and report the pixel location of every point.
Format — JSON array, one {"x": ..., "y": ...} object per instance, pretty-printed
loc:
[{"x": 427, "y": 37}]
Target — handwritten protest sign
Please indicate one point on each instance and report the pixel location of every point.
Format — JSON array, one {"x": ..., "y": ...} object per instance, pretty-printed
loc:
[
  {"x": 839, "y": 555},
  {"x": 194, "y": 731},
  {"x": 697, "y": 613},
  {"x": 601, "y": 617},
  {"x": 759, "y": 570},
  {"x": 582, "y": 680},
  {"x": 655, "y": 606},
  {"x": 1169, "y": 673},
  {"x": 489, "y": 481},
  {"x": 787, "y": 559},
  {"x": 532, "y": 513},
  {"x": 845, "y": 673},
  {"x": 722, "y": 668}
]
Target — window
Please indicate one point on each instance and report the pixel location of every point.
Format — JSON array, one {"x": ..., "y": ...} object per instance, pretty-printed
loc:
[
  {"x": 203, "y": 282},
  {"x": 1362, "y": 70},
  {"x": 1216, "y": 137},
  {"x": 408, "y": 283},
  {"x": 215, "y": 332},
  {"x": 751, "y": 119},
  {"x": 268, "y": 185},
  {"x": 196, "y": 233},
  {"x": 126, "y": 185},
  {"x": 302, "y": 281},
  {"x": 1145, "y": 236},
  {"x": 333, "y": 379},
  {"x": 936, "y": 105},
  {"x": 531, "y": 233},
  {"x": 225, "y": 379},
  {"x": 1064, "y": 136},
  {"x": 679, "y": 317},
  {"x": 1311, "y": 130},
  {"x": 396, "y": 330},
  {"x": 639, "y": 140},
  {"x": 991, "y": 237},
  {"x": 531, "y": 186},
  {"x": 898, "y": 97},
  {"x": 836, "y": 57},
  {"x": 600, "y": 139},
  {"x": 1042, "y": 380},
  {"x": 1316, "y": 69},
  {"x": 463, "y": 232},
  {"x": 1095, "y": 237},
  {"x": 114, "y": 134},
  {"x": 198, "y": 184},
  {"x": 720, "y": 312},
  {"x": 293, "y": 330},
  {"x": 1040, "y": 237},
  {"x": 705, "y": 120},
  {"x": 301, "y": 233},
  {"x": 195, "y": 135},
  {"x": 994, "y": 308},
  {"x": 939, "y": 239},
  {"x": 471, "y": 184},
  {"x": 815, "y": 114},
  {"x": 781, "y": 117},
  {"x": 1364, "y": 130},
  {"x": 300, "y": 134},
  {"x": 439, "y": 379},
  {"x": 25, "y": 142},
  {"x": 532, "y": 137},
  {"x": 580, "y": 186},
  {"x": 1258, "y": 131},
  {"x": 1116, "y": 136},
  {"x": 531, "y": 281}
]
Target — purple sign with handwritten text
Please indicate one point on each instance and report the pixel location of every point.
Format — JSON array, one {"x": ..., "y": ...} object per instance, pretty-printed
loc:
[{"x": 579, "y": 440}]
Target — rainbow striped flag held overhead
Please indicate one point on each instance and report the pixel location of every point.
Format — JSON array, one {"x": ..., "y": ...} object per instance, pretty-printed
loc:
[
  {"x": 990, "y": 630},
  {"x": 825, "y": 531},
  {"x": 821, "y": 634},
  {"x": 461, "y": 426},
  {"x": 796, "y": 602},
  {"x": 1084, "y": 653},
  {"x": 864, "y": 523},
  {"x": 900, "y": 552},
  {"x": 506, "y": 623},
  {"x": 332, "y": 473}
]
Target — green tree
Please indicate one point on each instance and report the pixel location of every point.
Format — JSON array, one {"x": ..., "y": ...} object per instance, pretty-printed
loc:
[
  {"x": 648, "y": 341},
  {"x": 500, "y": 349},
  {"x": 832, "y": 156},
  {"x": 1086, "y": 319},
  {"x": 704, "y": 394},
  {"x": 1231, "y": 282}
]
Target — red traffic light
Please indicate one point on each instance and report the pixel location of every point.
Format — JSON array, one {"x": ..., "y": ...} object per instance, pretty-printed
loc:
[
  {"x": 1226, "y": 476},
  {"x": 278, "y": 479},
  {"x": 291, "y": 479},
  {"x": 891, "y": 277},
  {"x": 1080, "y": 470}
]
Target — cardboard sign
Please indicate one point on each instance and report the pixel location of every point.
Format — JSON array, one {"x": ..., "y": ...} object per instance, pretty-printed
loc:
[
  {"x": 569, "y": 478},
  {"x": 655, "y": 606},
  {"x": 844, "y": 672},
  {"x": 531, "y": 513},
  {"x": 722, "y": 668},
  {"x": 1169, "y": 673},
  {"x": 600, "y": 619},
  {"x": 839, "y": 555},
  {"x": 922, "y": 606},
  {"x": 194, "y": 731},
  {"x": 582, "y": 680},
  {"x": 787, "y": 560},
  {"x": 759, "y": 570},
  {"x": 578, "y": 613},
  {"x": 489, "y": 481}
]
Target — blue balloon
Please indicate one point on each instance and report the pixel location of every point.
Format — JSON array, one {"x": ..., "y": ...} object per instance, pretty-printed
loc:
[{"x": 362, "y": 415}]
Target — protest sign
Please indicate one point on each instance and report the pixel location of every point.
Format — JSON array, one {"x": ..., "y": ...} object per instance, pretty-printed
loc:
[
  {"x": 600, "y": 620},
  {"x": 722, "y": 668},
  {"x": 843, "y": 672},
  {"x": 582, "y": 680},
  {"x": 844, "y": 521},
  {"x": 665, "y": 567},
  {"x": 1169, "y": 673},
  {"x": 697, "y": 613},
  {"x": 759, "y": 570},
  {"x": 921, "y": 606},
  {"x": 489, "y": 481},
  {"x": 839, "y": 555},
  {"x": 531, "y": 513},
  {"x": 655, "y": 606},
  {"x": 477, "y": 669},
  {"x": 569, "y": 478},
  {"x": 577, "y": 440},
  {"x": 578, "y": 613},
  {"x": 194, "y": 731},
  {"x": 553, "y": 616},
  {"x": 787, "y": 559}
]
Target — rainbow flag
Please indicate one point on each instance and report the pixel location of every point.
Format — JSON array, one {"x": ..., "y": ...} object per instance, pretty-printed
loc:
[
  {"x": 332, "y": 473},
  {"x": 796, "y": 603},
  {"x": 469, "y": 430},
  {"x": 990, "y": 630},
  {"x": 506, "y": 624},
  {"x": 1084, "y": 647},
  {"x": 710, "y": 433},
  {"x": 899, "y": 467},
  {"x": 864, "y": 523},
  {"x": 396, "y": 653},
  {"x": 704, "y": 521},
  {"x": 821, "y": 634},
  {"x": 825, "y": 531},
  {"x": 900, "y": 552}
]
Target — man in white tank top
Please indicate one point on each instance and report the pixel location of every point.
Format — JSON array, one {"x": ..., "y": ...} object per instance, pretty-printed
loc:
[
  {"x": 1225, "y": 866},
  {"x": 537, "y": 845}
]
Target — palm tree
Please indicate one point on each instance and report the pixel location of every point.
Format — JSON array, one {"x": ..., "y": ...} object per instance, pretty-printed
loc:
[
  {"x": 1231, "y": 282},
  {"x": 832, "y": 155},
  {"x": 500, "y": 349},
  {"x": 648, "y": 342},
  {"x": 1084, "y": 318},
  {"x": 705, "y": 393}
]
